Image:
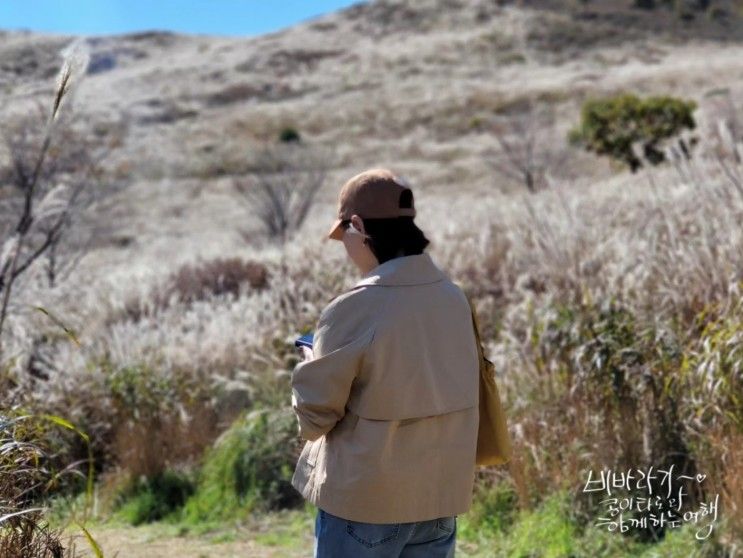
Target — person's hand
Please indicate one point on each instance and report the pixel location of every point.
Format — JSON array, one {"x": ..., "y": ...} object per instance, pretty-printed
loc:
[{"x": 307, "y": 353}]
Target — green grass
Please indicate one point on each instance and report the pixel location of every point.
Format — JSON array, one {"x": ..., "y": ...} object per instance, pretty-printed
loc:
[
  {"x": 248, "y": 469},
  {"x": 493, "y": 528},
  {"x": 156, "y": 498},
  {"x": 236, "y": 495},
  {"x": 492, "y": 514},
  {"x": 288, "y": 528}
]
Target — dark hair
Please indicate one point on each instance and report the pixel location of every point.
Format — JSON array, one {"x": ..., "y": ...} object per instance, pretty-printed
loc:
[{"x": 393, "y": 237}]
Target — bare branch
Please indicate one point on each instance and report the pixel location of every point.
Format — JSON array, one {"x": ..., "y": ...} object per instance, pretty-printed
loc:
[
  {"x": 280, "y": 193},
  {"x": 526, "y": 147},
  {"x": 51, "y": 166}
]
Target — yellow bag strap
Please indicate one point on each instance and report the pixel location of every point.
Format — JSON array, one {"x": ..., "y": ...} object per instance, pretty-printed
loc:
[{"x": 480, "y": 350}]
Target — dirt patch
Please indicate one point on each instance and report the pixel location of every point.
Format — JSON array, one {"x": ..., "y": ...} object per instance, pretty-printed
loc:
[{"x": 154, "y": 540}]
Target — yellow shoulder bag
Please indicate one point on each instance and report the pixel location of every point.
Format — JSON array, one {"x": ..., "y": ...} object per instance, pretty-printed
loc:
[{"x": 493, "y": 442}]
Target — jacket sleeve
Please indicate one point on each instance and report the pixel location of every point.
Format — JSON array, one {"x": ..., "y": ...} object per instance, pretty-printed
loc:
[{"x": 321, "y": 386}]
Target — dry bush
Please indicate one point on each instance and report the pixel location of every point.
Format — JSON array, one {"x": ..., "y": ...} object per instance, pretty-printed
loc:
[
  {"x": 166, "y": 112},
  {"x": 215, "y": 277},
  {"x": 154, "y": 442},
  {"x": 720, "y": 453},
  {"x": 149, "y": 410},
  {"x": 178, "y": 376},
  {"x": 147, "y": 418},
  {"x": 596, "y": 389},
  {"x": 287, "y": 62},
  {"x": 656, "y": 249},
  {"x": 28, "y": 473},
  {"x": 556, "y": 38},
  {"x": 235, "y": 93},
  {"x": 267, "y": 92},
  {"x": 29, "y": 537},
  {"x": 200, "y": 281},
  {"x": 730, "y": 448},
  {"x": 547, "y": 458}
]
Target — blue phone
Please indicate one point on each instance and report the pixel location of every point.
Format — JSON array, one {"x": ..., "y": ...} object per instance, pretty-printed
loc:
[{"x": 304, "y": 341}]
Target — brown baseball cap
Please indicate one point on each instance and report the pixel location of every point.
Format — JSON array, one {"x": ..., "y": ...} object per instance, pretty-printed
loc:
[{"x": 372, "y": 194}]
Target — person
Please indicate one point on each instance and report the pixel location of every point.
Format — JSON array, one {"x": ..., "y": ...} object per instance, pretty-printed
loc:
[{"x": 387, "y": 398}]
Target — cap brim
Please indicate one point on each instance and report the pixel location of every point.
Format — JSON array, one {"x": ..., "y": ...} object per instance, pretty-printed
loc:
[{"x": 336, "y": 232}]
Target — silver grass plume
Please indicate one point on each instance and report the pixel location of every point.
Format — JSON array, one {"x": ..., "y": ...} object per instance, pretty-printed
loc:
[
  {"x": 725, "y": 133},
  {"x": 76, "y": 58},
  {"x": 6, "y": 252},
  {"x": 53, "y": 203},
  {"x": 728, "y": 139},
  {"x": 638, "y": 152}
]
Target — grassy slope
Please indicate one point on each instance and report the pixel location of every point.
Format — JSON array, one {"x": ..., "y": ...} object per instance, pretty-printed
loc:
[
  {"x": 367, "y": 118},
  {"x": 197, "y": 104}
]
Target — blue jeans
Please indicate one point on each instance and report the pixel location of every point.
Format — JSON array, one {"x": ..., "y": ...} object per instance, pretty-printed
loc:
[{"x": 336, "y": 537}]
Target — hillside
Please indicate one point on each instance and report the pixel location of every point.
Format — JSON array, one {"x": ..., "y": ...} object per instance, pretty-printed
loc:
[{"x": 409, "y": 84}]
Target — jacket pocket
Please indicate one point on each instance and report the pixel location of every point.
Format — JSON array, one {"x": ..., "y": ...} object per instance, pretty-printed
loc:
[
  {"x": 314, "y": 450},
  {"x": 372, "y": 534}
]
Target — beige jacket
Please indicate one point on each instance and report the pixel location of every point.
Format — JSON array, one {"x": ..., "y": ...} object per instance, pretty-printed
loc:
[{"x": 389, "y": 402}]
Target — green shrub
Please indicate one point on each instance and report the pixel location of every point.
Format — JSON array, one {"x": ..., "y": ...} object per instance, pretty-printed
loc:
[
  {"x": 493, "y": 511},
  {"x": 288, "y": 135},
  {"x": 622, "y": 369},
  {"x": 644, "y": 4},
  {"x": 151, "y": 417},
  {"x": 545, "y": 532},
  {"x": 687, "y": 9},
  {"x": 718, "y": 13},
  {"x": 608, "y": 351},
  {"x": 152, "y": 499},
  {"x": 249, "y": 468},
  {"x": 611, "y": 126},
  {"x": 138, "y": 390}
]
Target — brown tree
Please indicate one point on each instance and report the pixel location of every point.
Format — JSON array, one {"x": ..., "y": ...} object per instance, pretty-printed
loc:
[
  {"x": 282, "y": 187},
  {"x": 527, "y": 146}
]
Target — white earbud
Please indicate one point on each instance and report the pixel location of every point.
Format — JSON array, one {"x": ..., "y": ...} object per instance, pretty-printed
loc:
[{"x": 353, "y": 230}]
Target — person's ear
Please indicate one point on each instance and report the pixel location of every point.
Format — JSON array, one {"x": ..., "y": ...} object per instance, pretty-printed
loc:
[{"x": 357, "y": 223}]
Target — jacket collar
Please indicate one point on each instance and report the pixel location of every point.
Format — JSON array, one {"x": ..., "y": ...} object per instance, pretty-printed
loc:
[{"x": 417, "y": 269}]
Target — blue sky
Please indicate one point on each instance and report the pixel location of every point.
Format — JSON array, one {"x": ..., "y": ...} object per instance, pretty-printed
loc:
[{"x": 214, "y": 17}]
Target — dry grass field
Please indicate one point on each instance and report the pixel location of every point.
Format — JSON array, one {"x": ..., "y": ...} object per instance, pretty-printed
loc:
[{"x": 609, "y": 300}]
